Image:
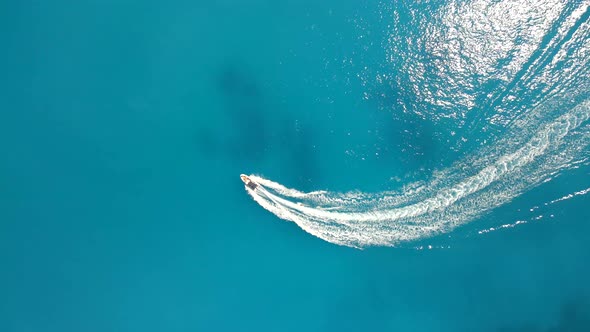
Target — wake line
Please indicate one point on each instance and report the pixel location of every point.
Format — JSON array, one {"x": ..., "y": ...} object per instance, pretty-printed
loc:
[{"x": 364, "y": 219}]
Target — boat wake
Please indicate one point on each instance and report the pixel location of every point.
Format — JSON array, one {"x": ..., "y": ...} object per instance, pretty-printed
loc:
[
  {"x": 536, "y": 145},
  {"x": 451, "y": 199}
]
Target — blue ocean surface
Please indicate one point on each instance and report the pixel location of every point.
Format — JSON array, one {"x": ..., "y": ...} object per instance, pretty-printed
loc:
[{"x": 459, "y": 130}]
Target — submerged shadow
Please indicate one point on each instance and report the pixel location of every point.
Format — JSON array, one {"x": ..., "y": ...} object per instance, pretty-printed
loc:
[
  {"x": 255, "y": 132},
  {"x": 411, "y": 138},
  {"x": 574, "y": 317}
]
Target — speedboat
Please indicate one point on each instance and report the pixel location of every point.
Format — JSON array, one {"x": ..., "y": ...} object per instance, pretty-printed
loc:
[{"x": 248, "y": 182}]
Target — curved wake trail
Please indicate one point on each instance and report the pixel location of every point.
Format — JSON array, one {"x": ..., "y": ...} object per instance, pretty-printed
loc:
[
  {"x": 536, "y": 67},
  {"x": 389, "y": 218}
]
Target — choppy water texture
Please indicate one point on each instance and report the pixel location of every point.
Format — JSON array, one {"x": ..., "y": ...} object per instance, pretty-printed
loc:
[
  {"x": 455, "y": 131},
  {"x": 513, "y": 76}
]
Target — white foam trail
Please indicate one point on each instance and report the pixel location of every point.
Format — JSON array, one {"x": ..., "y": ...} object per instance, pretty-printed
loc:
[
  {"x": 545, "y": 62},
  {"x": 455, "y": 196},
  {"x": 566, "y": 197},
  {"x": 493, "y": 229}
]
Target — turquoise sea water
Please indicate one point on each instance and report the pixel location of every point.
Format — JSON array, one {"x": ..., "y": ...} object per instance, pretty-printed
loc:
[{"x": 124, "y": 126}]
